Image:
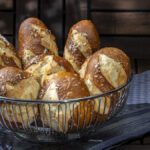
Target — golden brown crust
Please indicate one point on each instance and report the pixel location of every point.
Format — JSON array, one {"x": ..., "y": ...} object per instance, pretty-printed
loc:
[
  {"x": 119, "y": 56},
  {"x": 35, "y": 37},
  {"x": 59, "y": 60},
  {"x": 66, "y": 81},
  {"x": 35, "y": 60},
  {"x": 13, "y": 79},
  {"x": 83, "y": 68},
  {"x": 67, "y": 86},
  {"x": 96, "y": 76},
  {"x": 17, "y": 84},
  {"x": 8, "y": 56},
  {"x": 6, "y": 43},
  {"x": 26, "y": 32},
  {"x": 93, "y": 73},
  {"x": 43, "y": 65},
  {"x": 64, "y": 63},
  {"x": 102, "y": 73},
  {"x": 82, "y": 41},
  {"x": 36, "y": 47},
  {"x": 12, "y": 75},
  {"x": 87, "y": 27},
  {"x": 78, "y": 56},
  {"x": 94, "y": 69},
  {"x": 8, "y": 61}
]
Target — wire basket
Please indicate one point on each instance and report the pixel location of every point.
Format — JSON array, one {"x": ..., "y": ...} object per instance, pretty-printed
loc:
[{"x": 47, "y": 121}]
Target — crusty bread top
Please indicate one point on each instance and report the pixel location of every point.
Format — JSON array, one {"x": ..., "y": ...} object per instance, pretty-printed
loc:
[
  {"x": 83, "y": 68},
  {"x": 87, "y": 27},
  {"x": 82, "y": 41},
  {"x": 6, "y": 43},
  {"x": 8, "y": 56},
  {"x": 93, "y": 71},
  {"x": 78, "y": 56},
  {"x": 26, "y": 31},
  {"x": 105, "y": 79},
  {"x": 35, "y": 60},
  {"x": 68, "y": 85},
  {"x": 64, "y": 63},
  {"x": 36, "y": 47},
  {"x": 59, "y": 60},
  {"x": 29, "y": 38},
  {"x": 119, "y": 56},
  {"x": 11, "y": 75}
]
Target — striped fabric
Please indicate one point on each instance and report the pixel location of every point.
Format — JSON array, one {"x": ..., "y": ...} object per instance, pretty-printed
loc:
[{"x": 140, "y": 89}]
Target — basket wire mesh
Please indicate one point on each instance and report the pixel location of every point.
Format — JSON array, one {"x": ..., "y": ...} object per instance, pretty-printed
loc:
[{"x": 48, "y": 120}]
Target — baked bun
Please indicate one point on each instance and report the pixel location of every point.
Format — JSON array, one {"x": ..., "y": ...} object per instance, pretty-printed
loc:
[
  {"x": 83, "y": 68},
  {"x": 35, "y": 39},
  {"x": 43, "y": 65},
  {"x": 62, "y": 86},
  {"x": 8, "y": 55},
  {"x": 82, "y": 41},
  {"x": 15, "y": 83},
  {"x": 107, "y": 69}
]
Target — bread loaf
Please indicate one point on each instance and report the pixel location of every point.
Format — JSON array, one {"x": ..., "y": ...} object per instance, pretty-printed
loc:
[
  {"x": 8, "y": 55},
  {"x": 107, "y": 69},
  {"x": 43, "y": 65},
  {"x": 63, "y": 86},
  {"x": 15, "y": 83},
  {"x": 35, "y": 39},
  {"x": 82, "y": 41}
]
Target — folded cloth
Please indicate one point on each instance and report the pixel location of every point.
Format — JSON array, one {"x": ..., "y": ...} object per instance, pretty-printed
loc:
[{"x": 140, "y": 89}]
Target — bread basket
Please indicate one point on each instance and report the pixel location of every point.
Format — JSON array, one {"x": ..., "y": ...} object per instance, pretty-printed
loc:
[{"x": 37, "y": 131}]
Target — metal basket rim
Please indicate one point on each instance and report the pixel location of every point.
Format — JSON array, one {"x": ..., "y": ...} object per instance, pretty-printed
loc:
[{"x": 2, "y": 98}]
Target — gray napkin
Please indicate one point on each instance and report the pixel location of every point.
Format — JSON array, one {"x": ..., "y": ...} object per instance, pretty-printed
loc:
[{"x": 140, "y": 89}]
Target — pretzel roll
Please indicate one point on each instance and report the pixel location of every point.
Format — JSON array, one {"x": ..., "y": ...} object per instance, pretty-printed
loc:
[
  {"x": 35, "y": 39},
  {"x": 107, "y": 69},
  {"x": 59, "y": 86},
  {"x": 8, "y": 55},
  {"x": 15, "y": 83},
  {"x": 83, "y": 68},
  {"x": 43, "y": 65},
  {"x": 82, "y": 41}
]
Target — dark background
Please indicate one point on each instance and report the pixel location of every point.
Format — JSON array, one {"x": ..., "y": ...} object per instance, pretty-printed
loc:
[{"x": 121, "y": 23}]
